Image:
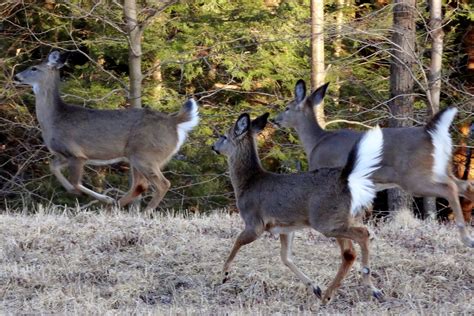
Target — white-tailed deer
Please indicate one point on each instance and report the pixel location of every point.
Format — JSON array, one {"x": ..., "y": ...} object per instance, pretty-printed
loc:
[
  {"x": 77, "y": 136},
  {"x": 416, "y": 159},
  {"x": 324, "y": 199}
]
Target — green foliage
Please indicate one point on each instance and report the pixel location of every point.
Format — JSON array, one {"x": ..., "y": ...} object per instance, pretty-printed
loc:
[{"x": 232, "y": 56}]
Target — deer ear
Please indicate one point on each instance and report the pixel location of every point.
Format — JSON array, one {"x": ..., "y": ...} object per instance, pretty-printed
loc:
[
  {"x": 242, "y": 125},
  {"x": 300, "y": 90},
  {"x": 56, "y": 60},
  {"x": 318, "y": 95},
  {"x": 259, "y": 123}
]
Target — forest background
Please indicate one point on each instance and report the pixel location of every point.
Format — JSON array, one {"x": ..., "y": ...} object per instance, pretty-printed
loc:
[{"x": 233, "y": 57}]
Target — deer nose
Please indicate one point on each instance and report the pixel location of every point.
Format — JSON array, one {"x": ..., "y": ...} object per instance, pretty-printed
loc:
[
  {"x": 275, "y": 122},
  {"x": 215, "y": 150}
]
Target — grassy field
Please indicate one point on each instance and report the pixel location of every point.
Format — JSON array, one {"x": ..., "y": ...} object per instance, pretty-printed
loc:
[{"x": 125, "y": 263}]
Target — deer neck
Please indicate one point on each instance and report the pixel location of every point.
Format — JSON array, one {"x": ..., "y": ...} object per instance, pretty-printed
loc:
[
  {"x": 48, "y": 101},
  {"x": 309, "y": 132},
  {"x": 244, "y": 167}
]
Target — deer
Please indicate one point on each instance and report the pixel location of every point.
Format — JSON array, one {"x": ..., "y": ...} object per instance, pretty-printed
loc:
[
  {"x": 463, "y": 164},
  {"x": 77, "y": 136},
  {"x": 415, "y": 159},
  {"x": 326, "y": 200}
]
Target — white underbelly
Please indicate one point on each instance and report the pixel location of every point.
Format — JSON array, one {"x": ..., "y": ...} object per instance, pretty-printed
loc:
[
  {"x": 96, "y": 162},
  {"x": 385, "y": 186},
  {"x": 277, "y": 230}
]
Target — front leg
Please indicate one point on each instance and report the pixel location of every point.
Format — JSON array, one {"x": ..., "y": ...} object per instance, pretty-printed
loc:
[
  {"x": 249, "y": 235},
  {"x": 57, "y": 164}
]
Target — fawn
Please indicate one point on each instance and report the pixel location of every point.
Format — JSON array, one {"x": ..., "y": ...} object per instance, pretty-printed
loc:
[{"x": 326, "y": 199}]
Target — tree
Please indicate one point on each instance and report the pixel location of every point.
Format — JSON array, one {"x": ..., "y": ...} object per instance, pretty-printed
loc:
[
  {"x": 318, "y": 72},
  {"x": 134, "y": 31},
  {"x": 437, "y": 34},
  {"x": 402, "y": 81}
]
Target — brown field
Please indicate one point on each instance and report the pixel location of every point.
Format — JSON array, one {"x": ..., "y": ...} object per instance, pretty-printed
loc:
[{"x": 87, "y": 262}]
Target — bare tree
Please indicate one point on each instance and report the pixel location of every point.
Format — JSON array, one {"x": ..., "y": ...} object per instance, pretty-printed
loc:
[
  {"x": 134, "y": 29},
  {"x": 318, "y": 72},
  {"x": 437, "y": 34},
  {"x": 134, "y": 35},
  {"x": 401, "y": 81}
]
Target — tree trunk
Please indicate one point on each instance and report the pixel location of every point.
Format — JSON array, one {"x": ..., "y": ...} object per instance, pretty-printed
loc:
[
  {"x": 134, "y": 34},
  {"x": 338, "y": 47},
  {"x": 318, "y": 72},
  {"x": 437, "y": 34},
  {"x": 401, "y": 81}
]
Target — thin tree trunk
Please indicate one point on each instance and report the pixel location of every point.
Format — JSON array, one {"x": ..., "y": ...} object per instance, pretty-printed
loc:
[
  {"x": 318, "y": 72},
  {"x": 134, "y": 34},
  {"x": 401, "y": 81},
  {"x": 338, "y": 46},
  {"x": 437, "y": 34}
]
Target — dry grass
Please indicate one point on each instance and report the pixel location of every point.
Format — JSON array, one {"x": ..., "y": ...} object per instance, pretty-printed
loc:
[{"x": 125, "y": 263}]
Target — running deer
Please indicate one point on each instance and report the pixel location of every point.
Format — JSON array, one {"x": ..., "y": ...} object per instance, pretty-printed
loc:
[
  {"x": 77, "y": 136},
  {"x": 463, "y": 164},
  {"x": 416, "y": 159},
  {"x": 326, "y": 200}
]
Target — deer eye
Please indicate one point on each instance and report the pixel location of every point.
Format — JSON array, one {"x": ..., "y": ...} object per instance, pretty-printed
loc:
[
  {"x": 34, "y": 68},
  {"x": 287, "y": 109}
]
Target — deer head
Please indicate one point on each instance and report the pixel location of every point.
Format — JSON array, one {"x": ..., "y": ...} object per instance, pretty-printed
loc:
[
  {"x": 44, "y": 73},
  {"x": 240, "y": 135},
  {"x": 301, "y": 108}
]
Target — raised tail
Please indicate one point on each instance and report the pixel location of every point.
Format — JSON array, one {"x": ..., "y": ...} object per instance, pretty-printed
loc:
[
  {"x": 438, "y": 129},
  {"x": 363, "y": 160},
  {"x": 188, "y": 118}
]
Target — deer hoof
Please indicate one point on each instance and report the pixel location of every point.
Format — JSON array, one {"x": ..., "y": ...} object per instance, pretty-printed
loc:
[
  {"x": 226, "y": 277},
  {"x": 469, "y": 242},
  {"x": 378, "y": 295},
  {"x": 316, "y": 291}
]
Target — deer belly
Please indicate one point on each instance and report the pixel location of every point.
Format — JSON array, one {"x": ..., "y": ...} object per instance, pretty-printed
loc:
[{"x": 277, "y": 230}]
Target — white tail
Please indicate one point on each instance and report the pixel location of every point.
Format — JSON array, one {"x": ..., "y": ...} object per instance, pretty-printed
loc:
[
  {"x": 415, "y": 159},
  {"x": 185, "y": 127},
  {"x": 368, "y": 158},
  {"x": 442, "y": 144}
]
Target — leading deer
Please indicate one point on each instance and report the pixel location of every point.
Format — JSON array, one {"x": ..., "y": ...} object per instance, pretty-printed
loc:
[
  {"x": 324, "y": 199},
  {"x": 77, "y": 136},
  {"x": 416, "y": 159}
]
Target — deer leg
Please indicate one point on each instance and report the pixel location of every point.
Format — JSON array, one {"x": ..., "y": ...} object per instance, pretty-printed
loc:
[
  {"x": 76, "y": 168},
  {"x": 139, "y": 185},
  {"x": 57, "y": 164},
  {"x": 286, "y": 241},
  {"x": 245, "y": 237},
  {"x": 162, "y": 186},
  {"x": 348, "y": 255},
  {"x": 361, "y": 236},
  {"x": 449, "y": 191},
  {"x": 465, "y": 188}
]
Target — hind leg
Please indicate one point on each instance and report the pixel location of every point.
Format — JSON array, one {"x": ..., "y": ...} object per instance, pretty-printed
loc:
[
  {"x": 449, "y": 191},
  {"x": 361, "y": 236},
  {"x": 465, "y": 188},
  {"x": 286, "y": 241},
  {"x": 139, "y": 185},
  {"x": 150, "y": 169},
  {"x": 348, "y": 255}
]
